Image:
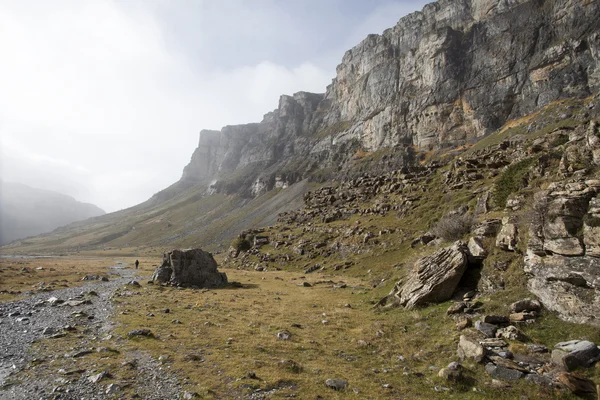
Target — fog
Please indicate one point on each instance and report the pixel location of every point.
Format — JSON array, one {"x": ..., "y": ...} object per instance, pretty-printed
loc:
[{"x": 103, "y": 100}]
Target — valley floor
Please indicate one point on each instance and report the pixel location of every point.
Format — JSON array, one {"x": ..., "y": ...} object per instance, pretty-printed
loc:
[{"x": 275, "y": 335}]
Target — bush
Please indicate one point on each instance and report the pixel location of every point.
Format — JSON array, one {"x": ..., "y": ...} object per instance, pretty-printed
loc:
[
  {"x": 241, "y": 244},
  {"x": 511, "y": 180},
  {"x": 453, "y": 226}
]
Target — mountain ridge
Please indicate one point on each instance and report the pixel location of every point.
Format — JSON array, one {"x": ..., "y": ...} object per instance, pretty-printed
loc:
[{"x": 27, "y": 211}]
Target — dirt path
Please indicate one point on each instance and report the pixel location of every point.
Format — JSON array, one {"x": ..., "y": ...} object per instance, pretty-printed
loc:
[{"x": 88, "y": 309}]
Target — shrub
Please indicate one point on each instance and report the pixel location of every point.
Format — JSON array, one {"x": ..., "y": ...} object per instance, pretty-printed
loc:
[
  {"x": 453, "y": 226},
  {"x": 241, "y": 244},
  {"x": 511, "y": 180}
]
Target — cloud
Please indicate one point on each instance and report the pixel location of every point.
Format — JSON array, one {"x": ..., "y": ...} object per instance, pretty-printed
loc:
[
  {"x": 97, "y": 85},
  {"x": 103, "y": 100}
]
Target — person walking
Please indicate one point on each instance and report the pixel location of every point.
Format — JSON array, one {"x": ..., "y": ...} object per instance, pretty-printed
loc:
[{"x": 136, "y": 264}]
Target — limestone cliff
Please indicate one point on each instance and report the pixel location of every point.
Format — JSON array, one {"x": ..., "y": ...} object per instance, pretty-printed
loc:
[{"x": 447, "y": 75}]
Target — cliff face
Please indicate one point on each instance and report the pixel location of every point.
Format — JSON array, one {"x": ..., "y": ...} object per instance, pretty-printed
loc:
[{"x": 447, "y": 75}]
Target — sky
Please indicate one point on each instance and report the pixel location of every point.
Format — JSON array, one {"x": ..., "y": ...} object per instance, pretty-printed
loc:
[{"x": 103, "y": 100}]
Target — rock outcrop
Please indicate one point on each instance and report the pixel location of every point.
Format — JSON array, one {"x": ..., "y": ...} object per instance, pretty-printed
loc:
[
  {"x": 447, "y": 75},
  {"x": 562, "y": 254},
  {"x": 189, "y": 268},
  {"x": 433, "y": 278}
]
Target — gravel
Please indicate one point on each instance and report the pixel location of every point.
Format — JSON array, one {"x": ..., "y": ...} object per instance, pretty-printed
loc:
[{"x": 33, "y": 318}]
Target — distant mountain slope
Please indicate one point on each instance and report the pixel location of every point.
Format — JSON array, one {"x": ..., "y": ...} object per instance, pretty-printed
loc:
[{"x": 26, "y": 211}]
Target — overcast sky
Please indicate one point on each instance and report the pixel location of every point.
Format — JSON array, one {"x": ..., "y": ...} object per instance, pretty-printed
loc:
[{"x": 103, "y": 100}]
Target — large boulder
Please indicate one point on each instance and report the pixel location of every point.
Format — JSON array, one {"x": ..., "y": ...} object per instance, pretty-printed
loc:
[
  {"x": 193, "y": 267},
  {"x": 433, "y": 278}
]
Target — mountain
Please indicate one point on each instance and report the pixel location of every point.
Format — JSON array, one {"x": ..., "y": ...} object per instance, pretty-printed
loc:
[
  {"x": 442, "y": 79},
  {"x": 26, "y": 211}
]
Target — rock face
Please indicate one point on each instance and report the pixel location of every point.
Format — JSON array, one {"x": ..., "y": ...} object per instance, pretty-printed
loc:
[
  {"x": 562, "y": 255},
  {"x": 187, "y": 268},
  {"x": 433, "y": 279},
  {"x": 427, "y": 82}
]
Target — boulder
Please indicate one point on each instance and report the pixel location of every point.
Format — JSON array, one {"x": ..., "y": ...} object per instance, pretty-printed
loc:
[
  {"x": 433, "y": 278},
  {"x": 578, "y": 385},
  {"x": 476, "y": 249},
  {"x": 489, "y": 330},
  {"x": 194, "y": 267},
  {"x": 525, "y": 305},
  {"x": 470, "y": 349},
  {"x": 576, "y": 353},
  {"x": 507, "y": 237},
  {"x": 500, "y": 372}
]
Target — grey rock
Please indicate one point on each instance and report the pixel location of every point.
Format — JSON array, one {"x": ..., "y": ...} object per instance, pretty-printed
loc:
[
  {"x": 434, "y": 278},
  {"x": 140, "y": 332},
  {"x": 578, "y": 353},
  {"x": 499, "y": 372},
  {"x": 112, "y": 389},
  {"x": 476, "y": 249},
  {"x": 470, "y": 349},
  {"x": 507, "y": 237},
  {"x": 336, "y": 384},
  {"x": 489, "y": 330},
  {"x": 525, "y": 305},
  {"x": 98, "y": 377},
  {"x": 539, "y": 380},
  {"x": 564, "y": 276},
  {"x": 187, "y": 268},
  {"x": 284, "y": 335}
]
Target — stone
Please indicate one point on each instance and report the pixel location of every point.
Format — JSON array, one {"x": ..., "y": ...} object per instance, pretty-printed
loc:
[
  {"x": 507, "y": 237},
  {"x": 539, "y": 380},
  {"x": 140, "y": 332},
  {"x": 284, "y": 335},
  {"x": 489, "y": 330},
  {"x": 464, "y": 323},
  {"x": 456, "y": 308},
  {"x": 495, "y": 319},
  {"x": 476, "y": 249},
  {"x": 522, "y": 316},
  {"x": 98, "y": 377},
  {"x": 112, "y": 389},
  {"x": 433, "y": 279},
  {"x": 525, "y": 305},
  {"x": 453, "y": 372},
  {"x": 470, "y": 349},
  {"x": 503, "y": 373},
  {"x": 577, "y": 385},
  {"x": 134, "y": 283},
  {"x": 336, "y": 384},
  {"x": 578, "y": 353},
  {"x": 511, "y": 333},
  {"x": 493, "y": 342},
  {"x": 488, "y": 228},
  {"x": 194, "y": 267}
]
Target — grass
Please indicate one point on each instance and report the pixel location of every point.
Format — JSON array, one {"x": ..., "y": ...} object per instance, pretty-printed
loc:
[
  {"x": 511, "y": 180},
  {"x": 225, "y": 334},
  {"x": 19, "y": 276}
]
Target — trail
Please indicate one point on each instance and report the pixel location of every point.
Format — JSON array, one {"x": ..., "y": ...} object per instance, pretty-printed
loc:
[{"x": 24, "y": 321}]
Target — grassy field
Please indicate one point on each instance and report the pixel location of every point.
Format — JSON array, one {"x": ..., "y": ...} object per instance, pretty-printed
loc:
[{"x": 223, "y": 343}]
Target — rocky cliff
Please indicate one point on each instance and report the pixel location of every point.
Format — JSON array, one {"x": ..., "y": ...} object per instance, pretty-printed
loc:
[{"x": 445, "y": 76}]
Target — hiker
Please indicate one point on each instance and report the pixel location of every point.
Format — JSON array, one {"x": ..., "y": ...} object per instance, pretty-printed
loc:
[{"x": 136, "y": 264}]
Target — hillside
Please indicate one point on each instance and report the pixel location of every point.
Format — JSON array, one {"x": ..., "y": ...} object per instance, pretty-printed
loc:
[
  {"x": 444, "y": 77},
  {"x": 26, "y": 211}
]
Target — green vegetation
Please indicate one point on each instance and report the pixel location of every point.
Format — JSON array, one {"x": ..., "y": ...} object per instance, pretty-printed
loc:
[{"x": 511, "y": 180}]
